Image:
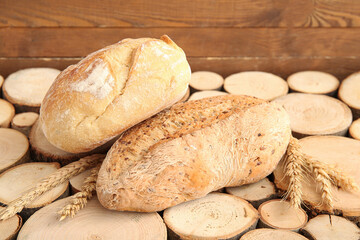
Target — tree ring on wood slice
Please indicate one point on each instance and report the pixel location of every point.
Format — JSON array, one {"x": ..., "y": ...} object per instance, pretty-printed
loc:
[
  {"x": 26, "y": 88},
  {"x": 313, "y": 82},
  {"x": 205, "y": 80},
  {"x": 77, "y": 181},
  {"x": 258, "y": 84},
  {"x": 279, "y": 214},
  {"x": 339, "y": 152},
  {"x": 255, "y": 193},
  {"x": 17, "y": 180},
  {"x": 7, "y": 112},
  {"x": 272, "y": 234},
  {"x": 215, "y": 216},
  {"x": 14, "y": 148},
  {"x": 43, "y": 151},
  {"x": 354, "y": 129},
  {"x": 10, "y": 227},
  {"x": 206, "y": 94},
  {"x": 24, "y": 121},
  {"x": 349, "y": 93},
  {"x": 312, "y": 114},
  {"x": 330, "y": 227},
  {"x": 186, "y": 96},
  {"x": 92, "y": 222}
]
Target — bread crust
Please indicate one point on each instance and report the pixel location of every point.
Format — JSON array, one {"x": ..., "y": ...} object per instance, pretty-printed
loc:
[
  {"x": 192, "y": 149},
  {"x": 111, "y": 90}
]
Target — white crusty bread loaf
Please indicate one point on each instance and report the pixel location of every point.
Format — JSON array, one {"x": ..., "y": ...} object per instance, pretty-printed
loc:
[
  {"x": 111, "y": 90},
  {"x": 191, "y": 149}
]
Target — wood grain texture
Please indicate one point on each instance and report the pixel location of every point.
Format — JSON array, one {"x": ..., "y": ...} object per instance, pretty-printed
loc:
[
  {"x": 186, "y": 13},
  {"x": 340, "y": 67},
  {"x": 196, "y": 42}
]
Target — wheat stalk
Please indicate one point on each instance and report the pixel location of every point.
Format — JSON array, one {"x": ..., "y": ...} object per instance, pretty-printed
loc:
[
  {"x": 80, "y": 199},
  {"x": 53, "y": 180}
]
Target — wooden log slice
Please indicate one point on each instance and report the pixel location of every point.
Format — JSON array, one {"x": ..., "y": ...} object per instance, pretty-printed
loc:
[
  {"x": 10, "y": 227},
  {"x": 17, "y": 180},
  {"x": 312, "y": 114},
  {"x": 14, "y": 148},
  {"x": 279, "y": 214},
  {"x": 7, "y": 112},
  {"x": 24, "y": 121},
  {"x": 272, "y": 234},
  {"x": 354, "y": 130},
  {"x": 26, "y": 88},
  {"x": 330, "y": 227},
  {"x": 205, "y": 80},
  {"x": 43, "y": 151},
  {"x": 255, "y": 193},
  {"x": 313, "y": 82},
  {"x": 1, "y": 83},
  {"x": 216, "y": 216},
  {"x": 258, "y": 84},
  {"x": 206, "y": 94},
  {"x": 77, "y": 182},
  {"x": 92, "y": 222},
  {"x": 349, "y": 93},
  {"x": 342, "y": 153}
]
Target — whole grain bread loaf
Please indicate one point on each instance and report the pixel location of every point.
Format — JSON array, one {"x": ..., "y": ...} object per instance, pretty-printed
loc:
[
  {"x": 191, "y": 149},
  {"x": 111, "y": 90}
]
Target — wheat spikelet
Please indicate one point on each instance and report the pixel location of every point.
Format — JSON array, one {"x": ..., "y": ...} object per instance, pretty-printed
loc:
[
  {"x": 53, "y": 180},
  {"x": 80, "y": 199}
]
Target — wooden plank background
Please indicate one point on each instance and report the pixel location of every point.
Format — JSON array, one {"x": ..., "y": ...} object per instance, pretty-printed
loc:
[{"x": 225, "y": 36}]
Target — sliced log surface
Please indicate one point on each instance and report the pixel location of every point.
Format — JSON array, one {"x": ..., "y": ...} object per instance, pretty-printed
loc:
[
  {"x": 330, "y": 227},
  {"x": 206, "y": 94},
  {"x": 14, "y": 148},
  {"x": 17, "y": 180},
  {"x": 258, "y": 84},
  {"x": 272, "y": 234},
  {"x": 7, "y": 112},
  {"x": 43, "y": 151},
  {"x": 216, "y": 216},
  {"x": 255, "y": 193},
  {"x": 313, "y": 82},
  {"x": 77, "y": 181},
  {"x": 205, "y": 80},
  {"x": 1, "y": 83},
  {"x": 312, "y": 114},
  {"x": 92, "y": 222},
  {"x": 279, "y": 214},
  {"x": 343, "y": 154},
  {"x": 26, "y": 88},
  {"x": 10, "y": 227},
  {"x": 349, "y": 93},
  {"x": 354, "y": 129},
  {"x": 24, "y": 121}
]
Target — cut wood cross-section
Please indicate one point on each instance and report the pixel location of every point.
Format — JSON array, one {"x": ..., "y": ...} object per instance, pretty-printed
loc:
[
  {"x": 338, "y": 153},
  {"x": 92, "y": 222},
  {"x": 77, "y": 182},
  {"x": 279, "y": 214},
  {"x": 330, "y": 227},
  {"x": 14, "y": 148},
  {"x": 349, "y": 93},
  {"x": 258, "y": 84},
  {"x": 17, "y": 180},
  {"x": 354, "y": 129},
  {"x": 216, "y": 216},
  {"x": 272, "y": 234},
  {"x": 255, "y": 193},
  {"x": 313, "y": 82},
  {"x": 1, "y": 83},
  {"x": 205, "y": 80},
  {"x": 7, "y": 112},
  {"x": 24, "y": 121},
  {"x": 206, "y": 94},
  {"x": 312, "y": 114},
  {"x": 26, "y": 88},
  {"x": 10, "y": 227}
]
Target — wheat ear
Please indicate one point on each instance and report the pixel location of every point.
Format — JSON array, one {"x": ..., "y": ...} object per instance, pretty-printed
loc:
[
  {"x": 53, "y": 180},
  {"x": 80, "y": 199}
]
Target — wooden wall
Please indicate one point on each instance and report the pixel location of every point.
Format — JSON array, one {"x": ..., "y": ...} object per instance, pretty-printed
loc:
[{"x": 225, "y": 36}]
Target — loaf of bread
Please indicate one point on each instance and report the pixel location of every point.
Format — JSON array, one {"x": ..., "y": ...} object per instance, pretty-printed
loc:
[
  {"x": 111, "y": 90},
  {"x": 191, "y": 149}
]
